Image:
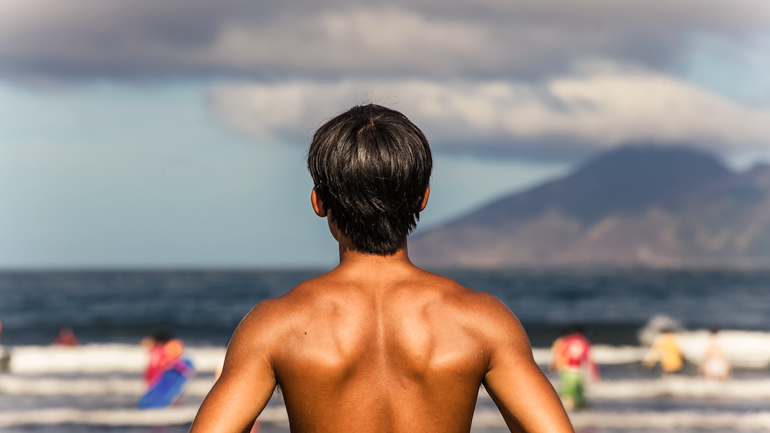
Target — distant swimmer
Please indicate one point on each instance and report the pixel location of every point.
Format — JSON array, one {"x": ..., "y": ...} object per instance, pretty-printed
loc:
[
  {"x": 571, "y": 357},
  {"x": 557, "y": 358},
  {"x": 715, "y": 364},
  {"x": 168, "y": 372},
  {"x": 162, "y": 353},
  {"x": 665, "y": 349},
  {"x": 5, "y": 358},
  {"x": 66, "y": 338},
  {"x": 377, "y": 344}
]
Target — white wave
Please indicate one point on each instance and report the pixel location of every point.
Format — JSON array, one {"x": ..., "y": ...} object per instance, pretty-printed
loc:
[
  {"x": 101, "y": 358},
  {"x": 647, "y": 420},
  {"x": 681, "y": 387},
  {"x": 93, "y": 358},
  {"x": 723, "y": 421},
  {"x": 122, "y": 417},
  {"x": 686, "y": 387},
  {"x": 176, "y": 415},
  {"x": 15, "y": 385},
  {"x": 207, "y": 359},
  {"x": 744, "y": 349},
  {"x": 481, "y": 419},
  {"x": 602, "y": 354}
]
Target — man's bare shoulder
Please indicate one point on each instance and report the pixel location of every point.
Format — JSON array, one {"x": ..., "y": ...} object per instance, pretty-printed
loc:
[
  {"x": 275, "y": 320},
  {"x": 272, "y": 319},
  {"x": 283, "y": 310},
  {"x": 482, "y": 308}
]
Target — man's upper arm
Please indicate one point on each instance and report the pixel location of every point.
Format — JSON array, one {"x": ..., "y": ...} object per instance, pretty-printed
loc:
[
  {"x": 521, "y": 391},
  {"x": 247, "y": 379}
]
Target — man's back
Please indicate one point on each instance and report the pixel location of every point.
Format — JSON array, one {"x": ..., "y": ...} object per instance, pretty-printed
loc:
[
  {"x": 405, "y": 352},
  {"x": 396, "y": 351}
]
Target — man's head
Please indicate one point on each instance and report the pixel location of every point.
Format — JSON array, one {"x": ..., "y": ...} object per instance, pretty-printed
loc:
[{"x": 371, "y": 167}]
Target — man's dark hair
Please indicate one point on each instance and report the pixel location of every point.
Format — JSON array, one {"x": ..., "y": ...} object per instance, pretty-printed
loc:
[{"x": 371, "y": 166}]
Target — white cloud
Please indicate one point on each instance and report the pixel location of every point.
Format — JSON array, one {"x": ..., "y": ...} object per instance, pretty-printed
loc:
[{"x": 598, "y": 107}]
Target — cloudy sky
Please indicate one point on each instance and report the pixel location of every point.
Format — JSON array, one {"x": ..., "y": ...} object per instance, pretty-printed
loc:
[{"x": 139, "y": 133}]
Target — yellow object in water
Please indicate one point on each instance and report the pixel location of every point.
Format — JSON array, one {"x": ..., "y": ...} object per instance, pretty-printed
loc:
[{"x": 666, "y": 350}]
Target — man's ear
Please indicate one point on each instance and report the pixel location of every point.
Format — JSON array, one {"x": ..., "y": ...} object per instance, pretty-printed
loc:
[
  {"x": 425, "y": 199},
  {"x": 318, "y": 204}
]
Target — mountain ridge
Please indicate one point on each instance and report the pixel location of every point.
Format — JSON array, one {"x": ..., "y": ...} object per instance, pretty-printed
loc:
[{"x": 637, "y": 205}]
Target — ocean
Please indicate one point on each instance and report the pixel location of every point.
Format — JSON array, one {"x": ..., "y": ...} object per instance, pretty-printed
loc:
[
  {"x": 115, "y": 309},
  {"x": 204, "y": 307}
]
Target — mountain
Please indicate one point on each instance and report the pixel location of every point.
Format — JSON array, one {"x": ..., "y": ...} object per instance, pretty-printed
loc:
[{"x": 633, "y": 206}]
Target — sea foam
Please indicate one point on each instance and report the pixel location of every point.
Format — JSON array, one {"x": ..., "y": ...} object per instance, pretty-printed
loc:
[
  {"x": 101, "y": 358},
  {"x": 744, "y": 349},
  {"x": 484, "y": 418},
  {"x": 681, "y": 387}
]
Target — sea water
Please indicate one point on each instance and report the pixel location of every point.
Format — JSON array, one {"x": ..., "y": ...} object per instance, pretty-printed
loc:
[
  {"x": 117, "y": 308},
  {"x": 204, "y": 307}
]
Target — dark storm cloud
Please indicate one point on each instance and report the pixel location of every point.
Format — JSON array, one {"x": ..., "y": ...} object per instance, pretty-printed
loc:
[
  {"x": 521, "y": 77},
  {"x": 331, "y": 39}
]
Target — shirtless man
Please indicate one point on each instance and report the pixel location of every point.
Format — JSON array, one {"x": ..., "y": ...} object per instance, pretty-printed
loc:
[{"x": 377, "y": 344}]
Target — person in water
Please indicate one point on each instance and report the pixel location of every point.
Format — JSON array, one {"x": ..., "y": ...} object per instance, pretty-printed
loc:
[
  {"x": 164, "y": 351},
  {"x": 168, "y": 372},
  {"x": 571, "y": 355},
  {"x": 557, "y": 359},
  {"x": 4, "y": 357},
  {"x": 377, "y": 344},
  {"x": 715, "y": 364},
  {"x": 665, "y": 349},
  {"x": 67, "y": 338}
]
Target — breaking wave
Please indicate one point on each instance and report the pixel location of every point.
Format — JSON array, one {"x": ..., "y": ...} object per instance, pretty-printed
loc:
[
  {"x": 122, "y": 417},
  {"x": 101, "y": 358},
  {"x": 482, "y": 418},
  {"x": 720, "y": 421},
  {"x": 744, "y": 349},
  {"x": 10, "y": 384},
  {"x": 684, "y": 387}
]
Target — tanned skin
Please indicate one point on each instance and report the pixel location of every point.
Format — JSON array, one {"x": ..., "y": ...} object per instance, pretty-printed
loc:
[{"x": 379, "y": 345}]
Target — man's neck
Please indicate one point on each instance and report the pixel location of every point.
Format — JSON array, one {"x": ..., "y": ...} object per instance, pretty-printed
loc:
[{"x": 352, "y": 259}]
